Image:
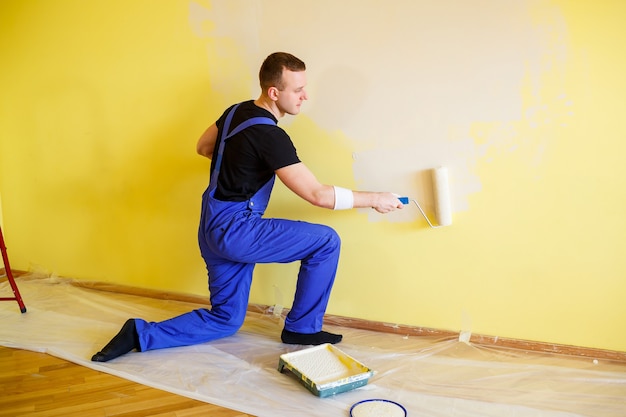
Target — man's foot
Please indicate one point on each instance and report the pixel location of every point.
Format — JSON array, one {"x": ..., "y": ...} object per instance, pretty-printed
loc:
[
  {"x": 123, "y": 342},
  {"x": 293, "y": 338}
]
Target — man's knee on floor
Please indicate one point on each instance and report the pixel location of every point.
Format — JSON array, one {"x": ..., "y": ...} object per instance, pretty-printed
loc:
[{"x": 229, "y": 320}]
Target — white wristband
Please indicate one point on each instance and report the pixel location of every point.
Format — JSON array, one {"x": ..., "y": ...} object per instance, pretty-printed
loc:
[{"x": 344, "y": 199}]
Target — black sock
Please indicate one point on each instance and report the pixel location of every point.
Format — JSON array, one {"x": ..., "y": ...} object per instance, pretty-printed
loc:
[
  {"x": 293, "y": 338},
  {"x": 123, "y": 342}
]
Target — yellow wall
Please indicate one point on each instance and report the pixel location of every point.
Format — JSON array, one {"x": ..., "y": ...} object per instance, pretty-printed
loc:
[{"x": 102, "y": 103}]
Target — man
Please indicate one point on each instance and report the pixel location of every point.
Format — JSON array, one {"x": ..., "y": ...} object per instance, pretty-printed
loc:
[{"x": 247, "y": 151}]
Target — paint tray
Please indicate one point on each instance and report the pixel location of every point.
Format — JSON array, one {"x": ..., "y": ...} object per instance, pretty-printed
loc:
[{"x": 325, "y": 370}]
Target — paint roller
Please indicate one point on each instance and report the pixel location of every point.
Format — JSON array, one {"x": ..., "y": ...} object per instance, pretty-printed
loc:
[{"x": 443, "y": 210}]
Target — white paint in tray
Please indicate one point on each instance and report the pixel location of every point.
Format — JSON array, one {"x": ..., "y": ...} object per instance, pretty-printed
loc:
[{"x": 325, "y": 364}]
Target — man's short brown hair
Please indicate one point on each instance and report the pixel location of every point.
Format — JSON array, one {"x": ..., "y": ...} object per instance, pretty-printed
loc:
[{"x": 271, "y": 72}]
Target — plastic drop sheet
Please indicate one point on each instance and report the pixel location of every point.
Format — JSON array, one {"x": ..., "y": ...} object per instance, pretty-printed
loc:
[{"x": 429, "y": 377}]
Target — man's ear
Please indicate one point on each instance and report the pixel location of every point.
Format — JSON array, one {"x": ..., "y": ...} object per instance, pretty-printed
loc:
[{"x": 272, "y": 93}]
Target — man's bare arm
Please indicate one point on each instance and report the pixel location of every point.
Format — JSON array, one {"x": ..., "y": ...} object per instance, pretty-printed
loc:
[{"x": 299, "y": 179}]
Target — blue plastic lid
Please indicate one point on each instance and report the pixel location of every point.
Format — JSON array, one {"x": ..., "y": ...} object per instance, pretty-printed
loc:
[{"x": 377, "y": 407}]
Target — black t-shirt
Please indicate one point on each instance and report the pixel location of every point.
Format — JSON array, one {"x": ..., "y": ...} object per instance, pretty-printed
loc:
[{"x": 252, "y": 155}]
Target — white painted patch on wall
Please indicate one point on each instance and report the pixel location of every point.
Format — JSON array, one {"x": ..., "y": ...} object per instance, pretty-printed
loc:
[
  {"x": 233, "y": 27},
  {"x": 405, "y": 83}
]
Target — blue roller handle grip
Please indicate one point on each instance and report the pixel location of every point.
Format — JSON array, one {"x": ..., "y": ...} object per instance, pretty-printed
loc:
[{"x": 404, "y": 200}]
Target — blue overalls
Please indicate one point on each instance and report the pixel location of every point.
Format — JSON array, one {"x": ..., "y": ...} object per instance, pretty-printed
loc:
[{"x": 233, "y": 237}]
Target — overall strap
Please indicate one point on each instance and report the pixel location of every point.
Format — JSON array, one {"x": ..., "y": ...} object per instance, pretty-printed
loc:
[
  {"x": 225, "y": 136},
  {"x": 250, "y": 122}
]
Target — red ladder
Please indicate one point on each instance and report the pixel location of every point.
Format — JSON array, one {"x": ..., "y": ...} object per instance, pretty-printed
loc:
[{"x": 5, "y": 258}]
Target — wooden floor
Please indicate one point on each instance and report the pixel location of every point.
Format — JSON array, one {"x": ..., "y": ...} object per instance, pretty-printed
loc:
[{"x": 36, "y": 384}]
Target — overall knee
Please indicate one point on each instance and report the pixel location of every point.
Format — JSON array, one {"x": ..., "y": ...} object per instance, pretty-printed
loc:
[
  {"x": 332, "y": 244},
  {"x": 334, "y": 241},
  {"x": 230, "y": 321}
]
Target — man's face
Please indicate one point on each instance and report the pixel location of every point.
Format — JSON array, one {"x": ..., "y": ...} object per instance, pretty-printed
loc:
[{"x": 290, "y": 98}]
